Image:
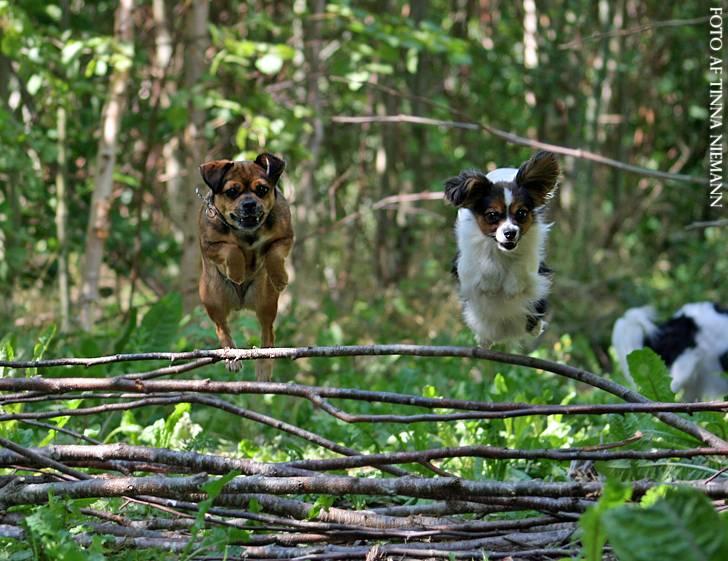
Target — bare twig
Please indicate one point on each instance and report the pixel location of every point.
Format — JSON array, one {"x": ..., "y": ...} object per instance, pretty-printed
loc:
[
  {"x": 156, "y": 390},
  {"x": 379, "y": 350},
  {"x": 708, "y": 224},
  {"x": 521, "y": 141},
  {"x": 576, "y": 43},
  {"x": 190, "y": 461},
  {"x": 41, "y": 460},
  {"x": 210, "y": 401},
  {"x": 492, "y": 452},
  {"x": 436, "y": 488}
]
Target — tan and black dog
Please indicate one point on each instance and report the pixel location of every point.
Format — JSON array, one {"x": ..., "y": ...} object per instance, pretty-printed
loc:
[{"x": 245, "y": 237}]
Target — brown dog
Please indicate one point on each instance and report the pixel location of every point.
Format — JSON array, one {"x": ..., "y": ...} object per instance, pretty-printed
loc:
[{"x": 245, "y": 237}]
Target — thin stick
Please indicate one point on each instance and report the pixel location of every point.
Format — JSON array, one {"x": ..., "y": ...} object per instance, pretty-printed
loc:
[{"x": 521, "y": 141}]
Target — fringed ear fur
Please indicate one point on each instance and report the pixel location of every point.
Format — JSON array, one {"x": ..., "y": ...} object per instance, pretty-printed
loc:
[
  {"x": 466, "y": 187},
  {"x": 539, "y": 176},
  {"x": 214, "y": 173},
  {"x": 272, "y": 165}
]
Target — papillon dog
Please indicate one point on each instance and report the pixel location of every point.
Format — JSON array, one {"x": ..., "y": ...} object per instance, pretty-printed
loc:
[
  {"x": 501, "y": 238},
  {"x": 693, "y": 343}
]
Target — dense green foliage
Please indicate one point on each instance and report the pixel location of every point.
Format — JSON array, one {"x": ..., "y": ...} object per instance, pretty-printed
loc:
[{"x": 278, "y": 74}]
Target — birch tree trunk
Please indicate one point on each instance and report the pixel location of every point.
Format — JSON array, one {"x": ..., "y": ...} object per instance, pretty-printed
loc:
[
  {"x": 98, "y": 224},
  {"x": 62, "y": 221},
  {"x": 183, "y": 203},
  {"x": 62, "y": 203}
]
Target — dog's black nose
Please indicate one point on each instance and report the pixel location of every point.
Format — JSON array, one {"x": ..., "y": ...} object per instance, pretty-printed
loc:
[
  {"x": 249, "y": 207},
  {"x": 510, "y": 234}
]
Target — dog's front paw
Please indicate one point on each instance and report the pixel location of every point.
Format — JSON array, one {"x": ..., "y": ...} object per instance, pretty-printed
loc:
[
  {"x": 279, "y": 280},
  {"x": 264, "y": 370}
]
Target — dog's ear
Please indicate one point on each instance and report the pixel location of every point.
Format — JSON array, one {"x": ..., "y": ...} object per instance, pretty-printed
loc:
[
  {"x": 466, "y": 187},
  {"x": 214, "y": 173},
  {"x": 539, "y": 175},
  {"x": 272, "y": 165}
]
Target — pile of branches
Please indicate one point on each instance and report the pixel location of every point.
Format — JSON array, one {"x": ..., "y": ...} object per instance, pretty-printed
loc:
[{"x": 417, "y": 517}]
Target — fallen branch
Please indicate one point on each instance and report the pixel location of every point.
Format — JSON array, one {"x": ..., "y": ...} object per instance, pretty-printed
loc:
[
  {"x": 193, "y": 462},
  {"x": 521, "y": 141},
  {"x": 578, "y": 374},
  {"x": 24, "y": 492}
]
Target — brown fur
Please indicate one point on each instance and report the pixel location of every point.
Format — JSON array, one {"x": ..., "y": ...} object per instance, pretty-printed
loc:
[{"x": 243, "y": 266}]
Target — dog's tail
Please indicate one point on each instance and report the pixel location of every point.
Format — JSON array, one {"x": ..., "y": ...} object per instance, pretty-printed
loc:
[{"x": 630, "y": 333}]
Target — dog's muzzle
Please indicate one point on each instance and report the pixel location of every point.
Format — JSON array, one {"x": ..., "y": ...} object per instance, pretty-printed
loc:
[
  {"x": 507, "y": 237},
  {"x": 248, "y": 216}
]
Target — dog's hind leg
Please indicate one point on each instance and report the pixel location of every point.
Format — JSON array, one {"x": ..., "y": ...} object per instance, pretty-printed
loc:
[
  {"x": 266, "y": 309},
  {"x": 222, "y": 330},
  {"x": 218, "y": 303}
]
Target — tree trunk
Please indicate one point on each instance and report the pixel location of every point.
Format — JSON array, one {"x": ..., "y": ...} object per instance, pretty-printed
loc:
[
  {"x": 62, "y": 221},
  {"x": 183, "y": 203},
  {"x": 98, "y": 224},
  {"x": 62, "y": 204},
  {"x": 306, "y": 207}
]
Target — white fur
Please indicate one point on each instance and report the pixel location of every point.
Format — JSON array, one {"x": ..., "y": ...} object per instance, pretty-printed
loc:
[
  {"x": 630, "y": 332},
  {"x": 498, "y": 289},
  {"x": 697, "y": 371}
]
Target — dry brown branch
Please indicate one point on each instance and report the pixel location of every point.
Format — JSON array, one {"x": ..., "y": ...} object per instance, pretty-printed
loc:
[
  {"x": 202, "y": 399},
  {"x": 521, "y": 141},
  {"x": 193, "y": 462},
  {"x": 267, "y": 498},
  {"x": 125, "y": 452},
  {"x": 707, "y": 224},
  {"x": 576, "y": 43},
  {"x": 26, "y": 492},
  {"x": 315, "y": 394},
  {"x": 41, "y": 460},
  {"x": 578, "y": 374}
]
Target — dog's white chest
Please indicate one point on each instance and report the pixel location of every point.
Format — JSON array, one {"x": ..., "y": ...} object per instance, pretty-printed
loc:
[{"x": 498, "y": 290}]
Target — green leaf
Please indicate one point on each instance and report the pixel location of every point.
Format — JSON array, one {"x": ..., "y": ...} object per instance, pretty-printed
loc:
[
  {"x": 7, "y": 352},
  {"x": 651, "y": 375},
  {"x": 270, "y": 63},
  {"x": 593, "y": 536},
  {"x": 322, "y": 503},
  {"x": 159, "y": 326},
  {"x": 179, "y": 410},
  {"x": 213, "y": 489},
  {"x": 123, "y": 340},
  {"x": 49, "y": 538},
  {"x": 44, "y": 339},
  {"x": 683, "y": 525}
]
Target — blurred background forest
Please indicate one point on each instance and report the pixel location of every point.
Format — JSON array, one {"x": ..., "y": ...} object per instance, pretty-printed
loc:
[{"x": 108, "y": 108}]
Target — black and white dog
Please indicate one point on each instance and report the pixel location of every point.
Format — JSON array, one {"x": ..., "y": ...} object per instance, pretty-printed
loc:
[
  {"x": 501, "y": 237},
  {"x": 693, "y": 343}
]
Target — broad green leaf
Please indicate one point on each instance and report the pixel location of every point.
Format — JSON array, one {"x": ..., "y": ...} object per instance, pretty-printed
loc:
[
  {"x": 322, "y": 503},
  {"x": 682, "y": 526},
  {"x": 159, "y": 326},
  {"x": 651, "y": 375},
  {"x": 593, "y": 536}
]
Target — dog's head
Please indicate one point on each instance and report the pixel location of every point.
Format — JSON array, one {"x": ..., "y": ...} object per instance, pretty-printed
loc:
[
  {"x": 244, "y": 192},
  {"x": 506, "y": 201}
]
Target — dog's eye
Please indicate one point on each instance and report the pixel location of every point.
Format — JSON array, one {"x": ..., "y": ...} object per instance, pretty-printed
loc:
[
  {"x": 232, "y": 193},
  {"x": 521, "y": 214},
  {"x": 492, "y": 217},
  {"x": 261, "y": 190}
]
